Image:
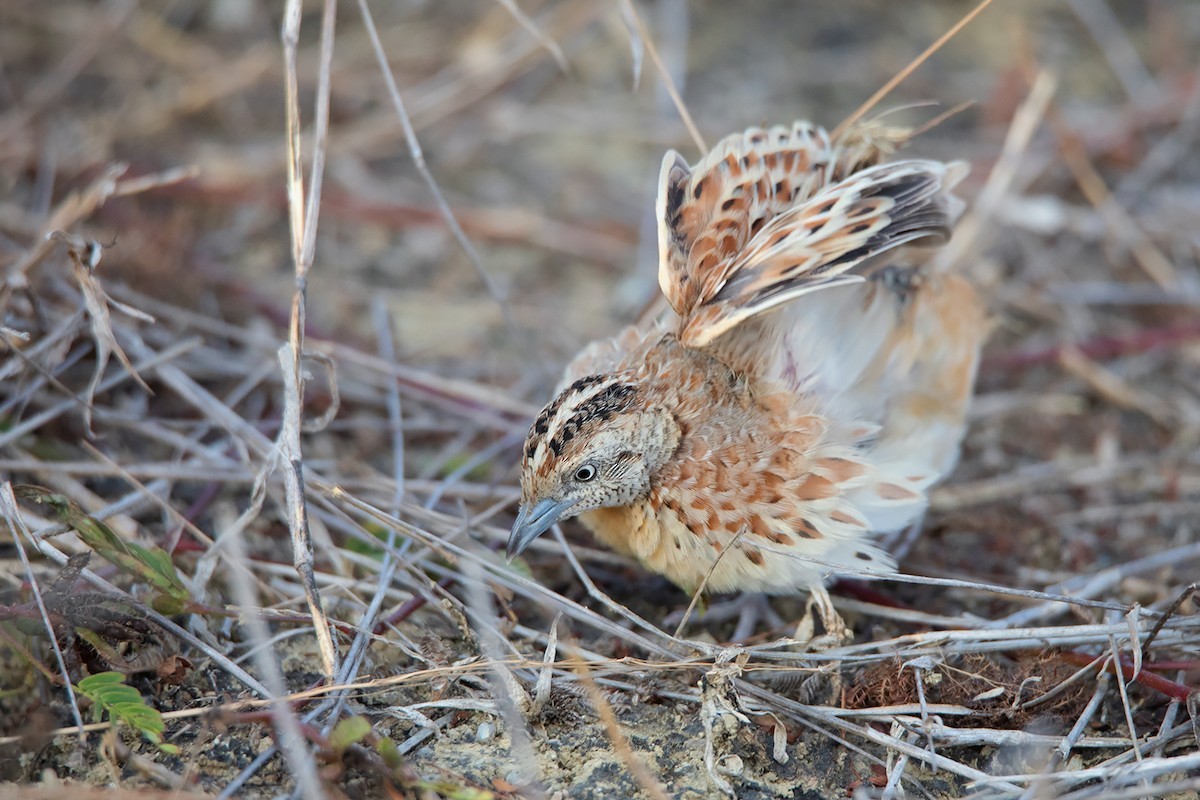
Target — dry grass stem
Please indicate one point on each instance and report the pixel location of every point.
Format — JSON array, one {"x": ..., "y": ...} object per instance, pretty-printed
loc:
[{"x": 303, "y": 554}]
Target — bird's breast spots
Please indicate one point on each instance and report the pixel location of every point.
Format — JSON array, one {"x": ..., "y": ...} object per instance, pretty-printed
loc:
[
  {"x": 814, "y": 487},
  {"x": 773, "y": 482},
  {"x": 890, "y": 491},
  {"x": 806, "y": 529},
  {"x": 759, "y": 527},
  {"x": 846, "y": 519},
  {"x": 839, "y": 469}
]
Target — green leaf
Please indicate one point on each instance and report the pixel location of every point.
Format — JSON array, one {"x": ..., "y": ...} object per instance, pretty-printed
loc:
[
  {"x": 348, "y": 731},
  {"x": 111, "y": 695},
  {"x": 151, "y": 564},
  {"x": 389, "y": 752},
  {"x": 101, "y": 679},
  {"x": 167, "y": 605}
]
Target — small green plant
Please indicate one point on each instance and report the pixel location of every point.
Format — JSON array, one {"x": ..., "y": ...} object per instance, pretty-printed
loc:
[
  {"x": 151, "y": 564},
  {"x": 348, "y": 731},
  {"x": 111, "y": 695}
]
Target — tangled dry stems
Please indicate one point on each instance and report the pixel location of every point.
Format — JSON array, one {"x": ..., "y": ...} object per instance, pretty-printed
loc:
[{"x": 1003, "y": 635}]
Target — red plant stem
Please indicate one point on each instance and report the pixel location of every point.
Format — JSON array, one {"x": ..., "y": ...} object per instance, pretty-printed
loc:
[
  {"x": 1176, "y": 691},
  {"x": 1166, "y": 665},
  {"x": 867, "y": 594},
  {"x": 409, "y": 608},
  {"x": 1100, "y": 348}
]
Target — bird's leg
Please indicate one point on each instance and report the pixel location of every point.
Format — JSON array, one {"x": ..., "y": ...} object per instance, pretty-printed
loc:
[
  {"x": 755, "y": 608},
  {"x": 751, "y": 610},
  {"x": 836, "y": 630}
]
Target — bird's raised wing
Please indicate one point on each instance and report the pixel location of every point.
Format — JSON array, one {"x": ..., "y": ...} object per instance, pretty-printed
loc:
[
  {"x": 707, "y": 213},
  {"x": 762, "y": 220}
]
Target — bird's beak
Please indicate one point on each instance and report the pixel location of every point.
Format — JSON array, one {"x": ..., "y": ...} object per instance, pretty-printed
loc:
[{"x": 533, "y": 521}]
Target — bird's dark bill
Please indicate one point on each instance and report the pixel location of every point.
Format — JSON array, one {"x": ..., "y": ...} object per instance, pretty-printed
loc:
[{"x": 533, "y": 521}]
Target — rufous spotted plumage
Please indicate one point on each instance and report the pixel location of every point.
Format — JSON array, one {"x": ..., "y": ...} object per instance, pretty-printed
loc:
[{"x": 808, "y": 389}]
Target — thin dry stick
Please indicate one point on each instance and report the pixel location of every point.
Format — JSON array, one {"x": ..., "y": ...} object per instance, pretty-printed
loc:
[
  {"x": 16, "y": 524},
  {"x": 465, "y": 396},
  {"x": 155, "y": 180},
  {"x": 1145, "y": 252},
  {"x": 1024, "y": 123},
  {"x": 1123, "y": 688},
  {"x": 288, "y": 735},
  {"x": 518, "y": 583},
  {"x": 809, "y": 715},
  {"x": 1114, "y": 389},
  {"x": 387, "y": 351},
  {"x": 1146, "y": 769},
  {"x": 1188, "y": 787},
  {"x": 418, "y": 157},
  {"x": 75, "y": 207},
  {"x": 1113, "y": 42},
  {"x": 145, "y": 491},
  {"x": 302, "y": 549},
  {"x": 85, "y": 257},
  {"x": 304, "y": 232},
  {"x": 895, "y": 772},
  {"x": 510, "y": 697},
  {"x": 541, "y": 693},
  {"x": 668, "y": 82},
  {"x": 700, "y": 589},
  {"x": 358, "y": 648},
  {"x": 1089, "y": 585},
  {"x": 903, "y": 74},
  {"x": 1188, "y": 591},
  {"x": 594, "y": 592},
  {"x": 543, "y": 38}
]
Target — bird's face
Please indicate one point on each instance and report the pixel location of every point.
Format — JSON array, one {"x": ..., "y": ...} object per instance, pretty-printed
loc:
[{"x": 593, "y": 446}]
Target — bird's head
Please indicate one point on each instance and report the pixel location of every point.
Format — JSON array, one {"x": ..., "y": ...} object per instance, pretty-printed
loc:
[{"x": 595, "y": 445}]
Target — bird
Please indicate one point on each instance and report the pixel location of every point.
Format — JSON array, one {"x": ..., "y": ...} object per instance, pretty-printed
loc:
[{"x": 807, "y": 386}]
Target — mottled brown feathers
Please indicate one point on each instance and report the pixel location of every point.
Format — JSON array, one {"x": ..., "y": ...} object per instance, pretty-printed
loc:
[
  {"x": 805, "y": 394},
  {"x": 752, "y": 253}
]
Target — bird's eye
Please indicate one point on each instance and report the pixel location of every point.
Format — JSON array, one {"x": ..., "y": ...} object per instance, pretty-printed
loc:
[{"x": 585, "y": 473}]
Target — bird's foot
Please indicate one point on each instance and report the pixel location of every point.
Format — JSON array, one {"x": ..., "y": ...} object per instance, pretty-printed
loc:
[{"x": 835, "y": 631}]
